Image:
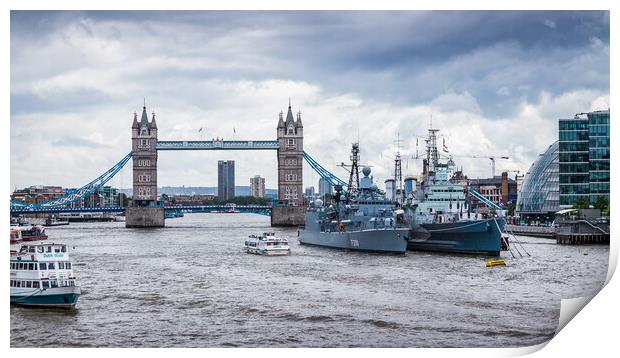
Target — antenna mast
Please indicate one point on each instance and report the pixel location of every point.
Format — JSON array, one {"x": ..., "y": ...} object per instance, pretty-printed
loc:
[
  {"x": 354, "y": 176},
  {"x": 431, "y": 149},
  {"x": 398, "y": 173}
]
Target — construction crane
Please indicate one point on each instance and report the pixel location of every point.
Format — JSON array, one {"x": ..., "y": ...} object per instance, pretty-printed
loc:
[{"x": 491, "y": 158}]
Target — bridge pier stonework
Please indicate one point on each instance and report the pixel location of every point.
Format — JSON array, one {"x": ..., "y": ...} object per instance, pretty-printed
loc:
[
  {"x": 291, "y": 208},
  {"x": 144, "y": 210}
]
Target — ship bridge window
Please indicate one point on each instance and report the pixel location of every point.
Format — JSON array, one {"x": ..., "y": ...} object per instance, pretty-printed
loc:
[
  {"x": 61, "y": 265},
  {"x": 31, "y": 249},
  {"x": 42, "y": 266},
  {"x": 48, "y": 249},
  {"x": 40, "y": 249},
  {"x": 56, "y": 249}
]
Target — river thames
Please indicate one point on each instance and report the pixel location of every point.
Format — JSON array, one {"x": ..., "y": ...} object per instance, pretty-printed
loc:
[{"x": 192, "y": 285}]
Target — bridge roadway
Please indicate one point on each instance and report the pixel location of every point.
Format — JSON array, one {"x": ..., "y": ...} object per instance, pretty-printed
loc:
[{"x": 53, "y": 210}]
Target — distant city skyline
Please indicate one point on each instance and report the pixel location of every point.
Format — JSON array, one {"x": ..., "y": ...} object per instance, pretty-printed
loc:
[{"x": 495, "y": 83}]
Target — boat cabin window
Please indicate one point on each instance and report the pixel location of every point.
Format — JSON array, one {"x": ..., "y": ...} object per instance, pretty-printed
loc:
[
  {"x": 35, "y": 284},
  {"x": 42, "y": 266},
  {"x": 28, "y": 284},
  {"x": 63, "y": 249},
  {"x": 18, "y": 284},
  {"x": 54, "y": 284},
  {"x": 56, "y": 249},
  {"x": 30, "y": 266},
  {"x": 31, "y": 249},
  {"x": 50, "y": 266},
  {"x": 40, "y": 249},
  {"x": 45, "y": 284},
  {"x": 61, "y": 265},
  {"x": 48, "y": 249},
  {"x": 68, "y": 265}
]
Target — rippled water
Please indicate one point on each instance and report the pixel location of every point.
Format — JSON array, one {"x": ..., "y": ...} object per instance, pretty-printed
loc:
[{"x": 191, "y": 285}]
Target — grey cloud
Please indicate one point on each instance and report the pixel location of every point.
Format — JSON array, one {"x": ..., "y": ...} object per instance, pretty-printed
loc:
[
  {"x": 346, "y": 70},
  {"x": 72, "y": 141}
]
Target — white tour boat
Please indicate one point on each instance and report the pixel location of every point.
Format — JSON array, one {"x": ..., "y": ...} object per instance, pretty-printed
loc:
[
  {"x": 42, "y": 276},
  {"x": 267, "y": 244}
]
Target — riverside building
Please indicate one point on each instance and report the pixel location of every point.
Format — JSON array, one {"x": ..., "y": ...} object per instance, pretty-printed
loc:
[
  {"x": 538, "y": 196},
  {"x": 584, "y": 157}
]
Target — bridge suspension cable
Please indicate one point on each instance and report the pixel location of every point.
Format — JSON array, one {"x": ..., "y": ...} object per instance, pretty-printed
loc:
[
  {"x": 77, "y": 194},
  {"x": 324, "y": 173},
  {"x": 94, "y": 185}
]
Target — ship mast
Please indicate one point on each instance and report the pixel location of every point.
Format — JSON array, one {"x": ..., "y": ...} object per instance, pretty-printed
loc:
[
  {"x": 354, "y": 176},
  {"x": 398, "y": 173},
  {"x": 431, "y": 151}
]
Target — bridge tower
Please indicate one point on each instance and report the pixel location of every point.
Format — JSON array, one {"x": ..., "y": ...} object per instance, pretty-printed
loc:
[
  {"x": 290, "y": 134},
  {"x": 144, "y": 211}
]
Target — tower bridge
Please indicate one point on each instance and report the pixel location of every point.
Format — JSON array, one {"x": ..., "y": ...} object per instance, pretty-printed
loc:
[{"x": 146, "y": 211}]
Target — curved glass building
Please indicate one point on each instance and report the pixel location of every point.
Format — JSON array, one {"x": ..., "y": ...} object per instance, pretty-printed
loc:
[{"x": 539, "y": 195}]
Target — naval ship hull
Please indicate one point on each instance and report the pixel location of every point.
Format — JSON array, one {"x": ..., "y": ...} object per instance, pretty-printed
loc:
[
  {"x": 467, "y": 237},
  {"x": 383, "y": 240}
]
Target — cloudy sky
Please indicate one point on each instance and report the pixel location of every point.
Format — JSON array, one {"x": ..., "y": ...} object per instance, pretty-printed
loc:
[{"x": 495, "y": 83}]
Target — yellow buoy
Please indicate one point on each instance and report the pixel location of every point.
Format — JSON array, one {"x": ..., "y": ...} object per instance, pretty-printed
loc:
[{"x": 492, "y": 263}]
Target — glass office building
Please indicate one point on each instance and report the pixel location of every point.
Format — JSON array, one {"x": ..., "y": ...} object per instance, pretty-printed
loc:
[
  {"x": 538, "y": 197},
  {"x": 584, "y": 157}
]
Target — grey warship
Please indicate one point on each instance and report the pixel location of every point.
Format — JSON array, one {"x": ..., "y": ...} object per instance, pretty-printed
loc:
[{"x": 360, "y": 219}]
